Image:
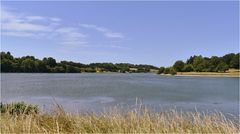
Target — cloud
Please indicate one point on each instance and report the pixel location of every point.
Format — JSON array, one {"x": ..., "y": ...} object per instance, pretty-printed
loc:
[
  {"x": 55, "y": 19},
  {"x": 18, "y": 34},
  {"x": 70, "y": 36},
  {"x": 22, "y": 25},
  {"x": 107, "y": 32},
  {"x": 17, "y": 24},
  {"x": 35, "y": 18}
]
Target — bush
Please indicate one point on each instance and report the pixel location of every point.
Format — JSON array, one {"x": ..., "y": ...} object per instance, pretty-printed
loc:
[
  {"x": 172, "y": 71},
  {"x": 178, "y": 66},
  {"x": 18, "y": 108},
  {"x": 188, "y": 68},
  {"x": 161, "y": 70}
]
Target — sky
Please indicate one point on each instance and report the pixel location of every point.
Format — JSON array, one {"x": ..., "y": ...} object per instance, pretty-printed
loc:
[{"x": 156, "y": 33}]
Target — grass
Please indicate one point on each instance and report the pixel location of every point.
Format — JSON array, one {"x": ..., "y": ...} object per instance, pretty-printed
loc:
[
  {"x": 229, "y": 73},
  {"x": 139, "y": 120}
]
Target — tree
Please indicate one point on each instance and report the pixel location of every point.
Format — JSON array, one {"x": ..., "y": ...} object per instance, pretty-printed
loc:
[
  {"x": 178, "y": 66},
  {"x": 167, "y": 70},
  {"x": 50, "y": 61},
  {"x": 28, "y": 65},
  {"x": 200, "y": 64},
  {"x": 188, "y": 68},
  {"x": 72, "y": 69},
  {"x": 6, "y": 65},
  {"x": 172, "y": 71},
  {"x": 213, "y": 63},
  {"x": 58, "y": 69},
  {"x": 40, "y": 66},
  {"x": 191, "y": 59},
  {"x": 227, "y": 58},
  {"x": 6, "y": 56},
  {"x": 161, "y": 70},
  {"x": 222, "y": 67},
  {"x": 234, "y": 63}
]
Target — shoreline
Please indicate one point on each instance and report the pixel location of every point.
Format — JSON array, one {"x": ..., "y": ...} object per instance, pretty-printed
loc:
[{"x": 209, "y": 74}]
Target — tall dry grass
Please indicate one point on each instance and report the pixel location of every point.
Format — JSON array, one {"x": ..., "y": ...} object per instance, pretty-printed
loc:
[{"x": 140, "y": 120}]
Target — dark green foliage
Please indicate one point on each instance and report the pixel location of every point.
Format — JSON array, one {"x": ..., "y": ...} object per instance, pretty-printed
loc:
[
  {"x": 49, "y": 65},
  {"x": 234, "y": 63},
  {"x": 167, "y": 70},
  {"x": 28, "y": 65},
  {"x": 50, "y": 62},
  {"x": 18, "y": 108},
  {"x": 188, "y": 68},
  {"x": 205, "y": 64},
  {"x": 178, "y": 66},
  {"x": 72, "y": 69},
  {"x": 222, "y": 67},
  {"x": 170, "y": 70},
  {"x": 161, "y": 70}
]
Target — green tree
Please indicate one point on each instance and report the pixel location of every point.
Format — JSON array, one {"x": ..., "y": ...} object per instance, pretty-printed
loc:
[
  {"x": 28, "y": 65},
  {"x": 200, "y": 64},
  {"x": 178, "y": 66},
  {"x": 58, "y": 69},
  {"x": 227, "y": 58},
  {"x": 40, "y": 66},
  {"x": 167, "y": 70},
  {"x": 6, "y": 65},
  {"x": 72, "y": 69},
  {"x": 235, "y": 62},
  {"x": 213, "y": 63},
  {"x": 222, "y": 67},
  {"x": 50, "y": 61},
  {"x": 161, "y": 70},
  {"x": 188, "y": 68},
  {"x": 172, "y": 71}
]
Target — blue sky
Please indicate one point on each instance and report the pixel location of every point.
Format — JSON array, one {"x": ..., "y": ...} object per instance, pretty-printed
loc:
[{"x": 156, "y": 33}]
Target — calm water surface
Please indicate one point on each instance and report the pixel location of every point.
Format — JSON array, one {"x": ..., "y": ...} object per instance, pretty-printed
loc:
[{"x": 94, "y": 92}]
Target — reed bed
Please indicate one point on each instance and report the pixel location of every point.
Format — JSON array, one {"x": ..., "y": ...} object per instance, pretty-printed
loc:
[{"x": 137, "y": 120}]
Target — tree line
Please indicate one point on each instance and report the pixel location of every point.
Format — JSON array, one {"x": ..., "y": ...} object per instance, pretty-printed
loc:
[
  {"x": 30, "y": 64},
  {"x": 203, "y": 64}
]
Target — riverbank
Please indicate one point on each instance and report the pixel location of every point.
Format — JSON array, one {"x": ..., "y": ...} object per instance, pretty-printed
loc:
[
  {"x": 139, "y": 120},
  {"x": 229, "y": 73}
]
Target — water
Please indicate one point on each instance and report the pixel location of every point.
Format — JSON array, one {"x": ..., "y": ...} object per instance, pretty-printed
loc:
[{"x": 94, "y": 92}]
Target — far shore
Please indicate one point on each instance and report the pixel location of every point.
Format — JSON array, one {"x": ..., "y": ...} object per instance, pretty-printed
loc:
[{"x": 230, "y": 73}]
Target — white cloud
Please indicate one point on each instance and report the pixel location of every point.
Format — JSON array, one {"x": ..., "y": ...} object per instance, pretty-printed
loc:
[
  {"x": 24, "y": 26},
  {"x": 18, "y": 34},
  {"x": 55, "y": 19},
  {"x": 107, "y": 32},
  {"x": 114, "y": 35},
  {"x": 71, "y": 36},
  {"x": 17, "y": 24},
  {"x": 35, "y": 18}
]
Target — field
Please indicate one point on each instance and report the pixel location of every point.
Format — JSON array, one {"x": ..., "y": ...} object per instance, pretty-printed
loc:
[
  {"x": 229, "y": 73},
  {"x": 139, "y": 120}
]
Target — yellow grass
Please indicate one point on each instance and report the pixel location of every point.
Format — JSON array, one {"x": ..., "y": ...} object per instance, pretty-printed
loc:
[
  {"x": 229, "y": 73},
  {"x": 140, "y": 120}
]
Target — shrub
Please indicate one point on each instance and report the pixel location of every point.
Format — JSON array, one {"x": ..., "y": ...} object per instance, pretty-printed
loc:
[
  {"x": 18, "y": 108},
  {"x": 161, "y": 70}
]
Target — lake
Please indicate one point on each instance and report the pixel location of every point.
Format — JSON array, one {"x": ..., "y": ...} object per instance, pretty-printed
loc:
[{"x": 94, "y": 92}]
